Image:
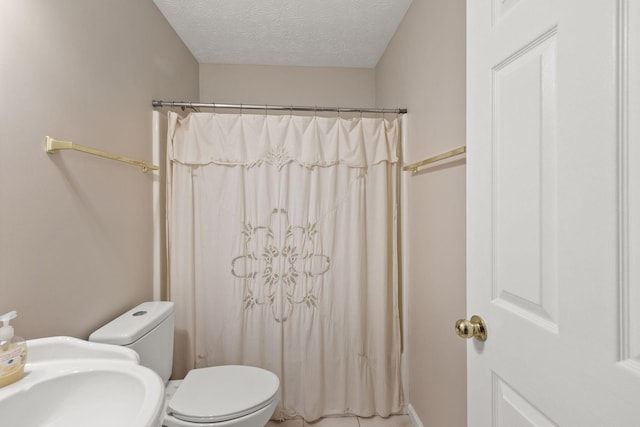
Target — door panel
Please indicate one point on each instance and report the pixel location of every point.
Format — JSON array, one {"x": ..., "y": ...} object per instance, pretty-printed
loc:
[
  {"x": 511, "y": 409},
  {"x": 553, "y": 230},
  {"x": 524, "y": 162}
]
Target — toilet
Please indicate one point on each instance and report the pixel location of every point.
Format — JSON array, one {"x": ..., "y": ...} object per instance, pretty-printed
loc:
[{"x": 219, "y": 396}]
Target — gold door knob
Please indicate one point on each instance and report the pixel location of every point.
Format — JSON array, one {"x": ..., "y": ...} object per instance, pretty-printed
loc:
[{"x": 475, "y": 328}]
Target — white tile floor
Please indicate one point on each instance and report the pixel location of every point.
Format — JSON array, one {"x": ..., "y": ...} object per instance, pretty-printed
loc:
[{"x": 392, "y": 421}]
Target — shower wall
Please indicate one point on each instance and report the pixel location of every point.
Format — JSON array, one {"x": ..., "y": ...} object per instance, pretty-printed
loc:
[
  {"x": 423, "y": 69},
  {"x": 265, "y": 84},
  {"x": 75, "y": 230}
]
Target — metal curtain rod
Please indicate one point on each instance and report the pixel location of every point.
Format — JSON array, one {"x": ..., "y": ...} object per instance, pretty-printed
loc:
[
  {"x": 413, "y": 167},
  {"x": 53, "y": 145},
  {"x": 155, "y": 104}
]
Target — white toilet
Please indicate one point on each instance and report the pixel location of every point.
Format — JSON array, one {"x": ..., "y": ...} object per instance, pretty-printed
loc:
[{"x": 220, "y": 396}]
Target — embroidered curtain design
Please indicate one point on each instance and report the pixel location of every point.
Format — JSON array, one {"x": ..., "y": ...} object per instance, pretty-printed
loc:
[{"x": 282, "y": 255}]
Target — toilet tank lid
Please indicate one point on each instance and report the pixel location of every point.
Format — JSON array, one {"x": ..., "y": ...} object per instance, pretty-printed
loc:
[{"x": 134, "y": 324}]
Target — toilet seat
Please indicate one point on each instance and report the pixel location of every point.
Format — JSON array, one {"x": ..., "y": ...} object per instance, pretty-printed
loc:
[{"x": 222, "y": 393}]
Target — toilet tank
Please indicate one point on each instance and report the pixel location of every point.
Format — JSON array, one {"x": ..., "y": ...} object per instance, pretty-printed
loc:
[{"x": 147, "y": 329}]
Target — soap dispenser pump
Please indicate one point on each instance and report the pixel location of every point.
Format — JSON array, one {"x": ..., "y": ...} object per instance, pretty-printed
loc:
[{"x": 13, "y": 352}]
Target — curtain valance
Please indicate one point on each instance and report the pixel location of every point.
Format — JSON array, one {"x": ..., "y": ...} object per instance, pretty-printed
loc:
[{"x": 252, "y": 139}]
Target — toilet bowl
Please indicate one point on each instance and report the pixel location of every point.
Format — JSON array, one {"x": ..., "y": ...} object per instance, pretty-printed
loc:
[{"x": 220, "y": 396}]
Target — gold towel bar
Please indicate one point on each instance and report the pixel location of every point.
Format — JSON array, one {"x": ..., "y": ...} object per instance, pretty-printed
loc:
[
  {"x": 53, "y": 145},
  {"x": 413, "y": 167}
]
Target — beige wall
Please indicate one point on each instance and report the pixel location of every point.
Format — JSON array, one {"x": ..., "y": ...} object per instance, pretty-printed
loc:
[
  {"x": 423, "y": 69},
  {"x": 262, "y": 84},
  {"x": 75, "y": 230}
]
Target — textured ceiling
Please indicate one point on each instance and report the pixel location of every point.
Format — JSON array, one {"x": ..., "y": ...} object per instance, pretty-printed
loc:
[{"x": 320, "y": 33}]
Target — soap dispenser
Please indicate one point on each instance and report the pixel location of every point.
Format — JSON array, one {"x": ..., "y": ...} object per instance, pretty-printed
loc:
[{"x": 13, "y": 352}]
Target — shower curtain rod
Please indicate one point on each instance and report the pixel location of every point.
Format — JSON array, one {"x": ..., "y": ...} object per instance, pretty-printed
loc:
[{"x": 195, "y": 105}]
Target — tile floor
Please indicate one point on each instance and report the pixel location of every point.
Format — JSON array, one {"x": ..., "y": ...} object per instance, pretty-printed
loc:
[{"x": 392, "y": 421}]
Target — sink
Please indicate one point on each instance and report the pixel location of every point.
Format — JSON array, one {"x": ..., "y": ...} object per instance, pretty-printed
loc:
[{"x": 82, "y": 386}]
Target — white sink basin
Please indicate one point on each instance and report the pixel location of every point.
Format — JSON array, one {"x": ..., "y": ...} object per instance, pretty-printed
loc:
[{"x": 91, "y": 390}]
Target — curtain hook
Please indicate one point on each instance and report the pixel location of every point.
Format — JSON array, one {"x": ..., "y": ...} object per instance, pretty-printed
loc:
[
  {"x": 266, "y": 110},
  {"x": 290, "y": 110}
]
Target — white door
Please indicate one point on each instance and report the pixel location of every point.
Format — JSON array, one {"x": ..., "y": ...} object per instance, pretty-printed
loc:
[{"x": 553, "y": 214}]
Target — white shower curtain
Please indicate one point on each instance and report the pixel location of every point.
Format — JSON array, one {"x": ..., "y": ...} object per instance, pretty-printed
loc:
[{"x": 282, "y": 255}]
